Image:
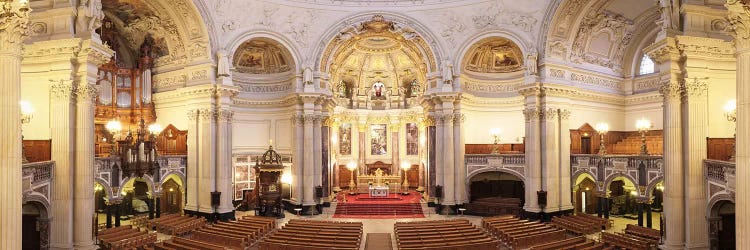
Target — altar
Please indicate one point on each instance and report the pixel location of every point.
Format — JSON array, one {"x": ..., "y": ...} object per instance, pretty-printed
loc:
[
  {"x": 378, "y": 182},
  {"x": 379, "y": 191}
]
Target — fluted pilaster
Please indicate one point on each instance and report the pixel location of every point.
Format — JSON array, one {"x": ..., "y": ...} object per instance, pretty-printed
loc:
[
  {"x": 192, "y": 161},
  {"x": 298, "y": 151},
  {"x": 449, "y": 172},
  {"x": 13, "y": 30},
  {"x": 459, "y": 149},
  {"x": 739, "y": 18},
  {"x": 695, "y": 122},
  {"x": 550, "y": 158},
  {"x": 309, "y": 168},
  {"x": 564, "y": 155},
  {"x": 62, "y": 132},
  {"x": 83, "y": 205},
  {"x": 317, "y": 150},
  {"x": 207, "y": 145},
  {"x": 674, "y": 197},
  {"x": 533, "y": 158},
  {"x": 224, "y": 159}
]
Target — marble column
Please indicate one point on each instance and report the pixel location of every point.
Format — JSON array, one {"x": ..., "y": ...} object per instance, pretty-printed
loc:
[
  {"x": 459, "y": 153},
  {"x": 62, "y": 124},
  {"x": 109, "y": 215},
  {"x": 117, "y": 213},
  {"x": 739, "y": 19},
  {"x": 674, "y": 206},
  {"x": 361, "y": 146},
  {"x": 449, "y": 173},
  {"x": 695, "y": 116},
  {"x": 224, "y": 161},
  {"x": 394, "y": 127},
  {"x": 533, "y": 158},
  {"x": 564, "y": 159},
  {"x": 649, "y": 223},
  {"x": 92, "y": 55},
  {"x": 639, "y": 208},
  {"x": 317, "y": 153},
  {"x": 207, "y": 145},
  {"x": 439, "y": 166},
  {"x": 298, "y": 157},
  {"x": 550, "y": 167},
  {"x": 309, "y": 159},
  {"x": 158, "y": 205},
  {"x": 13, "y": 30},
  {"x": 191, "y": 187}
]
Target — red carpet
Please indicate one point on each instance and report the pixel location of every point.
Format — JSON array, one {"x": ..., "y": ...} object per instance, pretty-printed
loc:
[{"x": 392, "y": 207}]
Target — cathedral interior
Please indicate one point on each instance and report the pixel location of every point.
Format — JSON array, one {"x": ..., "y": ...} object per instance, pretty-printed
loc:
[{"x": 168, "y": 124}]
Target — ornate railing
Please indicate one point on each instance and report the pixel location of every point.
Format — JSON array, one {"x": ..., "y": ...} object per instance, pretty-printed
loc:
[
  {"x": 719, "y": 171},
  {"x": 108, "y": 169},
  {"x": 626, "y": 161},
  {"x": 38, "y": 171},
  {"x": 485, "y": 159}
]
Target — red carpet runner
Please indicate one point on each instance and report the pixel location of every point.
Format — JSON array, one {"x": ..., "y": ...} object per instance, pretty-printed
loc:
[{"x": 392, "y": 207}]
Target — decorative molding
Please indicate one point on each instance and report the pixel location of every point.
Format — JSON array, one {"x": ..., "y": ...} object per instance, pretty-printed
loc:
[
  {"x": 14, "y": 27},
  {"x": 695, "y": 88},
  {"x": 532, "y": 114},
  {"x": 548, "y": 114},
  {"x": 670, "y": 90},
  {"x": 739, "y": 23},
  {"x": 225, "y": 115},
  {"x": 208, "y": 114},
  {"x": 62, "y": 89},
  {"x": 564, "y": 114},
  {"x": 193, "y": 115},
  {"x": 86, "y": 92}
]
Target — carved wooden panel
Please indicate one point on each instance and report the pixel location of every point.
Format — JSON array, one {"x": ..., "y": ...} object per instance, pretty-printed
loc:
[
  {"x": 37, "y": 150},
  {"x": 719, "y": 148},
  {"x": 412, "y": 174},
  {"x": 378, "y": 164},
  {"x": 172, "y": 141}
]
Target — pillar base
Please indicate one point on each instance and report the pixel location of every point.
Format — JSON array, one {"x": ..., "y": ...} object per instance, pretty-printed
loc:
[
  {"x": 544, "y": 216},
  {"x": 312, "y": 210},
  {"x": 448, "y": 210},
  {"x": 212, "y": 217}
]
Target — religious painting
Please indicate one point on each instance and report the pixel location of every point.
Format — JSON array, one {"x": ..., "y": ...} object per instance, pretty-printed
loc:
[
  {"x": 244, "y": 176},
  {"x": 345, "y": 139},
  {"x": 412, "y": 139},
  {"x": 262, "y": 56},
  {"x": 494, "y": 55},
  {"x": 378, "y": 139}
]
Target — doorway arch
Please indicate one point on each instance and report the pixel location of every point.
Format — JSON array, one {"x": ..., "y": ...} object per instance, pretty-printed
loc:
[
  {"x": 35, "y": 226},
  {"x": 172, "y": 193}
]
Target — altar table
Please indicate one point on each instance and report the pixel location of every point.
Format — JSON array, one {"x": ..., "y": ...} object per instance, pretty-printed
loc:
[{"x": 378, "y": 191}]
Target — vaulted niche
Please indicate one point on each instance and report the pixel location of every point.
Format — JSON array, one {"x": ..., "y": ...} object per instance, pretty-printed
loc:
[
  {"x": 262, "y": 56},
  {"x": 377, "y": 65},
  {"x": 494, "y": 55}
]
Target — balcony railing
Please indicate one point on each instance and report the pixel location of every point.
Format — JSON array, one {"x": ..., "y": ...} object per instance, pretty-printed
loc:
[
  {"x": 617, "y": 161},
  {"x": 719, "y": 171},
  {"x": 486, "y": 159},
  {"x": 38, "y": 171}
]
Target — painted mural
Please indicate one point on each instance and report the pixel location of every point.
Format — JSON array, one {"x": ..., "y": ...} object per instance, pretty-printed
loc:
[
  {"x": 412, "y": 139},
  {"x": 345, "y": 139},
  {"x": 378, "y": 139}
]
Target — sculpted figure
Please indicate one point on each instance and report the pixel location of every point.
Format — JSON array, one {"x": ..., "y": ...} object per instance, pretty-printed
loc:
[
  {"x": 447, "y": 72},
  {"x": 307, "y": 76},
  {"x": 531, "y": 64},
  {"x": 222, "y": 67}
]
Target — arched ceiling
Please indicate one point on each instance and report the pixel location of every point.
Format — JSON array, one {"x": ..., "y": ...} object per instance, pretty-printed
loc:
[
  {"x": 262, "y": 56},
  {"x": 493, "y": 55},
  {"x": 378, "y": 50},
  {"x": 175, "y": 27}
]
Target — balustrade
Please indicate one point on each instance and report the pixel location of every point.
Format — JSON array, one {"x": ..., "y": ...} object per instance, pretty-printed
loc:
[
  {"x": 38, "y": 171},
  {"x": 718, "y": 170}
]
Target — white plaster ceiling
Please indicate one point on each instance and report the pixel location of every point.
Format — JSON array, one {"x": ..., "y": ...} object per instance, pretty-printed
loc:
[{"x": 630, "y": 8}]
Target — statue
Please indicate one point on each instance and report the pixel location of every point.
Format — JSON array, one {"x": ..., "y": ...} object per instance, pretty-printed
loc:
[
  {"x": 342, "y": 89},
  {"x": 378, "y": 87},
  {"x": 222, "y": 66},
  {"x": 307, "y": 76},
  {"x": 531, "y": 64},
  {"x": 95, "y": 13},
  {"x": 447, "y": 72},
  {"x": 414, "y": 88}
]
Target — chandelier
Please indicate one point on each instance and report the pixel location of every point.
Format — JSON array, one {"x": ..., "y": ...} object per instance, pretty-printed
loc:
[{"x": 138, "y": 155}]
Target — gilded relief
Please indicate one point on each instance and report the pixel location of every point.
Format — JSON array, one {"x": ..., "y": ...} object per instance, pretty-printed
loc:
[
  {"x": 494, "y": 55},
  {"x": 262, "y": 56}
]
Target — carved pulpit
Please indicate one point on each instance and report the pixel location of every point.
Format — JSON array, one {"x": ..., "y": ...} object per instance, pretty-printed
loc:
[{"x": 268, "y": 170}]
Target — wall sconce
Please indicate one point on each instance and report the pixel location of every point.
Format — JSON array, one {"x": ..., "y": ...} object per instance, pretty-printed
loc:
[
  {"x": 495, "y": 133},
  {"x": 643, "y": 125},
  {"x": 730, "y": 112},
  {"x": 602, "y": 128}
]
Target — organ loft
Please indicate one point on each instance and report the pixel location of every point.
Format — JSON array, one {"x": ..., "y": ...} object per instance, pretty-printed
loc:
[{"x": 369, "y": 124}]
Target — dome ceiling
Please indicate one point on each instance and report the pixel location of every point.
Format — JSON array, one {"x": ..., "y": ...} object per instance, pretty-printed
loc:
[
  {"x": 494, "y": 55},
  {"x": 377, "y": 53},
  {"x": 262, "y": 56}
]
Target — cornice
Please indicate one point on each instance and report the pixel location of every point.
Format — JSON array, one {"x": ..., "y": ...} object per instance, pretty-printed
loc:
[
  {"x": 706, "y": 47},
  {"x": 663, "y": 50},
  {"x": 289, "y": 100},
  {"x": 196, "y": 92}
]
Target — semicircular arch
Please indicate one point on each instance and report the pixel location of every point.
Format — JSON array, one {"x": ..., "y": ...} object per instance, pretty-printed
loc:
[
  {"x": 613, "y": 177},
  {"x": 106, "y": 186},
  {"x": 282, "y": 40},
  {"x": 527, "y": 48}
]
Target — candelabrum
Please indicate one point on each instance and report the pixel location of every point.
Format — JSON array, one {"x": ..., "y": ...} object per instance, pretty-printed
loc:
[
  {"x": 405, "y": 166},
  {"x": 643, "y": 126},
  {"x": 27, "y": 112},
  {"x": 602, "y": 128},
  {"x": 730, "y": 112},
  {"x": 351, "y": 166},
  {"x": 495, "y": 133}
]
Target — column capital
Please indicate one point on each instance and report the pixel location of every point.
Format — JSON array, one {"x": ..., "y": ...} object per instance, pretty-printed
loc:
[
  {"x": 738, "y": 16},
  {"x": 695, "y": 88},
  {"x": 564, "y": 114},
  {"x": 663, "y": 50},
  {"x": 192, "y": 115},
  {"x": 226, "y": 115},
  {"x": 532, "y": 114},
  {"x": 670, "y": 90},
  {"x": 548, "y": 114},
  {"x": 208, "y": 114},
  {"x": 14, "y": 27},
  {"x": 298, "y": 120},
  {"x": 459, "y": 118},
  {"x": 62, "y": 89},
  {"x": 86, "y": 92},
  {"x": 308, "y": 118},
  {"x": 94, "y": 52}
]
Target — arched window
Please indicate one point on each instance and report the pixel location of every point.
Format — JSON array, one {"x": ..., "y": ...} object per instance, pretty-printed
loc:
[{"x": 647, "y": 65}]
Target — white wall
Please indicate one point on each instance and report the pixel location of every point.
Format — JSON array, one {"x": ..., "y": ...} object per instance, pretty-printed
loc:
[
  {"x": 35, "y": 90},
  {"x": 591, "y": 113},
  {"x": 479, "y": 122},
  {"x": 251, "y": 132},
  {"x": 721, "y": 88}
]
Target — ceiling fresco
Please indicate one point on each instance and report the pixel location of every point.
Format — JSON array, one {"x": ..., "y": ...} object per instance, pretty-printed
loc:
[
  {"x": 262, "y": 56},
  {"x": 494, "y": 55}
]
